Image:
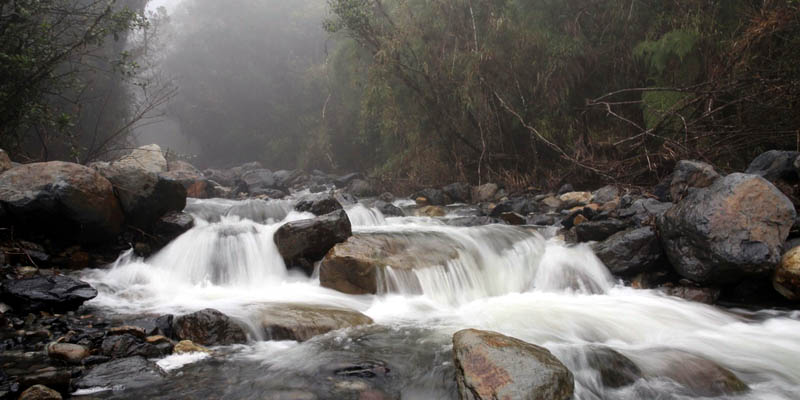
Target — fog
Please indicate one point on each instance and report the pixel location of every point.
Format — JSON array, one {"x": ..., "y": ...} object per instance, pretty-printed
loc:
[{"x": 249, "y": 78}]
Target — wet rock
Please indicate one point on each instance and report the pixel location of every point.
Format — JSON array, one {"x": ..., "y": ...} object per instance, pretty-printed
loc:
[
  {"x": 301, "y": 243},
  {"x": 645, "y": 211},
  {"x": 565, "y": 188},
  {"x": 55, "y": 293},
  {"x": 209, "y": 327},
  {"x": 430, "y": 211},
  {"x": 145, "y": 194},
  {"x": 513, "y": 218},
  {"x": 67, "y": 352},
  {"x": 187, "y": 346},
  {"x": 776, "y": 165},
  {"x": 163, "y": 325},
  {"x": 786, "y": 279},
  {"x": 492, "y": 366},
  {"x": 388, "y": 209},
  {"x": 301, "y": 322},
  {"x": 352, "y": 267},
  {"x": 61, "y": 199},
  {"x": 702, "y": 377},
  {"x": 320, "y": 204},
  {"x": 615, "y": 369},
  {"x": 134, "y": 331},
  {"x": 630, "y": 252},
  {"x": 125, "y": 373},
  {"x": 434, "y": 197},
  {"x": 733, "y": 229},
  {"x": 196, "y": 184},
  {"x": 458, "y": 192},
  {"x": 172, "y": 225},
  {"x": 121, "y": 346},
  {"x": 472, "y": 221},
  {"x": 485, "y": 192},
  {"x": 574, "y": 199},
  {"x": 688, "y": 175},
  {"x": 40, "y": 392},
  {"x": 541, "y": 219},
  {"x": 344, "y": 180},
  {"x": 286, "y": 179},
  {"x": 599, "y": 230},
  {"x": 552, "y": 202},
  {"x": 696, "y": 294},
  {"x": 361, "y": 188},
  {"x": 56, "y": 378},
  {"x": 5, "y": 161},
  {"x": 258, "y": 179}
]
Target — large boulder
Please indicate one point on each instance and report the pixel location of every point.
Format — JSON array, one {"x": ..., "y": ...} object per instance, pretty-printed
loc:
[
  {"x": 318, "y": 204},
  {"x": 67, "y": 352},
  {"x": 195, "y": 183},
  {"x": 704, "y": 378},
  {"x": 593, "y": 231},
  {"x": 631, "y": 251},
  {"x": 786, "y": 279},
  {"x": 62, "y": 200},
  {"x": 55, "y": 293},
  {"x": 776, "y": 165},
  {"x": 688, "y": 175},
  {"x": 301, "y": 322},
  {"x": 303, "y": 242},
  {"x": 125, "y": 373},
  {"x": 209, "y": 327},
  {"x": 493, "y": 366},
  {"x": 258, "y": 180},
  {"x": 352, "y": 267},
  {"x": 361, "y": 188},
  {"x": 733, "y": 229},
  {"x": 143, "y": 189}
]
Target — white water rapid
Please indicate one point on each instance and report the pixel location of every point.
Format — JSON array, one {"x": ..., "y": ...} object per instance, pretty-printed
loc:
[{"x": 517, "y": 281}]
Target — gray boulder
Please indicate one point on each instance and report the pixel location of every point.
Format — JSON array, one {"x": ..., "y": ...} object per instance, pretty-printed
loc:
[
  {"x": 776, "y": 165},
  {"x": 208, "y": 327},
  {"x": 493, "y": 366},
  {"x": 301, "y": 322},
  {"x": 301, "y": 243},
  {"x": 318, "y": 204},
  {"x": 688, "y": 175},
  {"x": 61, "y": 199},
  {"x": 599, "y": 230},
  {"x": 733, "y": 229},
  {"x": 631, "y": 252}
]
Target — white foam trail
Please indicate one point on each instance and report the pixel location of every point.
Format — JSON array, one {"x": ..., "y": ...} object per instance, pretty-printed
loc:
[{"x": 361, "y": 216}]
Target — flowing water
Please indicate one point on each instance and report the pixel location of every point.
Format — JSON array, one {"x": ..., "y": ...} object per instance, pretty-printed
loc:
[{"x": 518, "y": 281}]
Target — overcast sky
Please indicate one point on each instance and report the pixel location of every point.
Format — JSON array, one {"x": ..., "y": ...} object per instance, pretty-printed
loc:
[{"x": 169, "y": 4}]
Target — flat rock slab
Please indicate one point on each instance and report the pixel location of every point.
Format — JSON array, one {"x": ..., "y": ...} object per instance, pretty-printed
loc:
[
  {"x": 46, "y": 293},
  {"x": 125, "y": 373},
  {"x": 301, "y": 322}
]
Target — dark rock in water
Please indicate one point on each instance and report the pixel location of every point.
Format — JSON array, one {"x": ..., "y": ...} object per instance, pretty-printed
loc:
[
  {"x": 513, "y": 218},
  {"x": 318, "y": 204},
  {"x": 689, "y": 175},
  {"x": 361, "y": 188},
  {"x": 301, "y": 243},
  {"x": 731, "y": 230},
  {"x": 386, "y": 197},
  {"x": 700, "y": 376},
  {"x": 344, "y": 180},
  {"x": 566, "y": 188},
  {"x": 500, "y": 209},
  {"x": 163, "y": 325},
  {"x": 472, "y": 221},
  {"x": 56, "y": 378},
  {"x": 258, "y": 179},
  {"x": 631, "y": 252},
  {"x": 599, "y": 230},
  {"x": 121, "y": 346},
  {"x": 269, "y": 193},
  {"x": 209, "y": 327},
  {"x": 122, "y": 374},
  {"x": 172, "y": 225},
  {"x": 301, "y": 322},
  {"x": 541, "y": 219},
  {"x": 493, "y": 366},
  {"x": 40, "y": 392},
  {"x": 195, "y": 183},
  {"x": 434, "y": 197},
  {"x": 55, "y": 293},
  {"x": 696, "y": 294},
  {"x": 615, "y": 369},
  {"x": 458, "y": 192},
  {"x": 776, "y": 165},
  {"x": 344, "y": 198},
  {"x": 388, "y": 209},
  {"x": 63, "y": 200}
]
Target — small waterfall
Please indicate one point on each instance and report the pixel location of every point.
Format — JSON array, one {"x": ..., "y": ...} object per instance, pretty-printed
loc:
[{"x": 361, "y": 216}]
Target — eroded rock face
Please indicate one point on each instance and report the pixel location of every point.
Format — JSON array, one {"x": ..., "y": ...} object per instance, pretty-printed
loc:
[
  {"x": 301, "y": 243},
  {"x": 56, "y": 293},
  {"x": 786, "y": 279},
  {"x": 630, "y": 252},
  {"x": 352, "y": 267},
  {"x": 688, "y": 175},
  {"x": 63, "y": 200},
  {"x": 209, "y": 327},
  {"x": 493, "y": 366},
  {"x": 301, "y": 322},
  {"x": 733, "y": 229}
]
